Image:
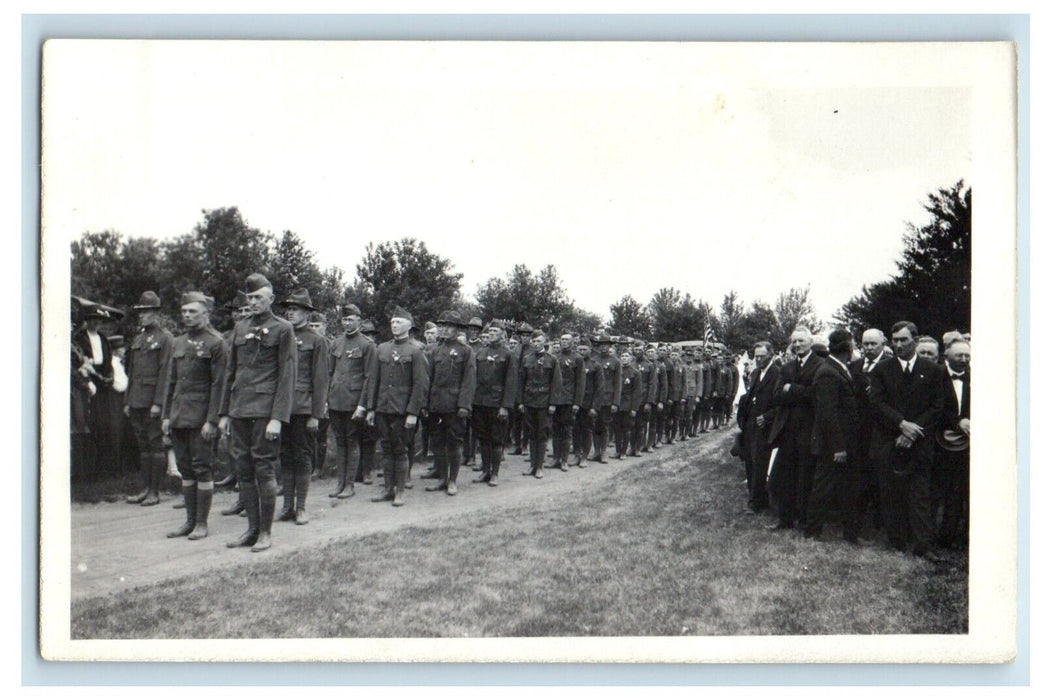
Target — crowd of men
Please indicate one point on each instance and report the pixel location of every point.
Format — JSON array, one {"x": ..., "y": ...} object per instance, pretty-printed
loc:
[
  {"x": 274, "y": 387},
  {"x": 887, "y": 432}
]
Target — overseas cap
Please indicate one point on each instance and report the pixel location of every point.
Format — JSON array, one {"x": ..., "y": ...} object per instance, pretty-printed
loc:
[
  {"x": 368, "y": 327},
  {"x": 316, "y": 317},
  {"x": 148, "y": 300},
  {"x": 400, "y": 312},
  {"x": 350, "y": 310},
  {"x": 429, "y": 326},
  {"x": 525, "y": 328},
  {"x": 256, "y": 282},
  {"x": 195, "y": 298},
  {"x": 496, "y": 323}
]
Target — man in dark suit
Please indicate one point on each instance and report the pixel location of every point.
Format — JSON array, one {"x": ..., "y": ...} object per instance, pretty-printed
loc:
[
  {"x": 791, "y": 479},
  {"x": 866, "y": 491},
  {"x": 834, "y": 437},
  {"x": 760, "y": 414},
  {"x": 952, "y": 446},
  {"x": 906, "y": 398}
]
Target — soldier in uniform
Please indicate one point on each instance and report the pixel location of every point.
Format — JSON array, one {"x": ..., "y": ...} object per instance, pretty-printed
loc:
[
  {"x": 309, "y": 406},
  {"x": 353, "y": 365},
  {"x": 397, "y": 395},
  {"x": 541, "y": 379},
  {"x": 609, "y": 402},
  {"x": 520, "y": 431},
  {"x": 148, "y": 364},
  {"x": 496, "y": 384},
  {"x": 450, "y": 399},
  {"x": 190, "y": 409},
  {"x": 594, "y": 378},
  {"x": 369, "y": 436},
  {"x": 239, "y": 309},
  {"x": 709, "y": 383},
  {"x": 632, "y": 395},
  {"x": 317, "y": 322},
  {"x": 473, "y": 332},
  {"x": 257, "y": 400},
  {"x": 431, "y": 340},
  {"x": 659, "y": 408},
  {"x": 568, "y": 401},
  {"x": 639, "y": 434},
  {"x": 676, "y": 394}
]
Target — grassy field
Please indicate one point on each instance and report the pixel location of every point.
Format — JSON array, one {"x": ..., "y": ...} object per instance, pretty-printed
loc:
[{"x": 665, "y": 548}]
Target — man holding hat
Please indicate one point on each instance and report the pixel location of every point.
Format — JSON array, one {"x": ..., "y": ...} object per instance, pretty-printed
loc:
[
  {"x": 190, "y": 409},
  {"x": 353, "y": 366},
  {"x": 148, "y": 363},
  {"x": 309, "y": 407},
  {"x": 396, "y": 396},
  {"x": 609, "y": 402},
  {"x": 449, "y": 399},
  {"x": 257, "y": 400},
  {"x": 541, "y": 379},
  {"x": 496, "y": 384}
]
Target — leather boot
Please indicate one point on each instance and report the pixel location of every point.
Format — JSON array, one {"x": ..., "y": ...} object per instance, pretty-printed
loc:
[
  {"x": 189, "y": 493},
  {"x": 301, "y": 498},
  {"x": 496, "y": 455},
  {"x": 287, "y": 492},
  {"x": 540, "y": 448},
  {"x": 236, "y": 508},
  {"x": 266, "y": 512},
  {"x": 156, "y": 474},
  {"x": 401, "y": 471},
  {"x": 486, "y": 457},
  {"x": 342, "y": 476},
  {"x": 204, "y": 497},
  {"x": 248, "y": 494},
  {"x": 397, "y": 498}
]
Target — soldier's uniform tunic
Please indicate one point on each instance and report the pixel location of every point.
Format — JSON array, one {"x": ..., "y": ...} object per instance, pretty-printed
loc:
[
  {"x": 496, "y": 386},
  {"x": 571, "y": 367},
  {"x": 541, "y": 379},
  {"x": 311, "y": 386},
  {"x": 639, "y": 433},
  {"x": 658, "y": 426},
  {"x": 632, "y": 395},
  {"x": 675, "y": 395},
  {"x": 148, "y": 368},
  {"x": 611, "y": 386},
  {"x": 353, "y": 366},
  {"x": 583, "y": 431},
  {"x": 452, "y": 389}
]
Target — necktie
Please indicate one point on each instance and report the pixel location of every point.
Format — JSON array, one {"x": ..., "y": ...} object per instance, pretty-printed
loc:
[{"x": 908, "y": 368}]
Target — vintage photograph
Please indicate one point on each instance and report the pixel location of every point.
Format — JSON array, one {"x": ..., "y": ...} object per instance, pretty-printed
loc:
[{"x": 553, "y": 351}]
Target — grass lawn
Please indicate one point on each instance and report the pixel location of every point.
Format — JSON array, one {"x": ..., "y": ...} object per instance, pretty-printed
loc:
[{"x": 663, "y": 548}]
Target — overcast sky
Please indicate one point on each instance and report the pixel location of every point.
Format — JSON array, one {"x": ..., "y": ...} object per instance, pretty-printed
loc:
[{"x": 630, "y": 167}]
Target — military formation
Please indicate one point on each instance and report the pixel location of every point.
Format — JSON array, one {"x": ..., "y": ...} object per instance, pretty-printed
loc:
[{"x": 263, "y": 396}]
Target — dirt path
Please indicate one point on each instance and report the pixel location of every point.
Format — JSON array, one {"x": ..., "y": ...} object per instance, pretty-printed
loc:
[{"x": 116, "y": 546}]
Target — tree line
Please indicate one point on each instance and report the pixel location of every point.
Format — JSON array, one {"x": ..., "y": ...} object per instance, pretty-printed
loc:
[{"x": 932, "y": 286}]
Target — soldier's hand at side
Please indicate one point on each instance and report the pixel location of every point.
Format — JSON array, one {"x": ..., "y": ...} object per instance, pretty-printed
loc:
[
  {"x": 273, "y": 429},
  {"x": 502, "y": 414},
  {"x": 155, "y": 411},
  {"x": 360, "y": 413},
  {"x": 312, "y": 425},
  {"x": 208, "y": 431},
  {"x": 760, "y": 420},
  {"x": 521, "y": 408},
  {"x": 165, "y": 426},
  {"x": 576, "y": 409},
  {"x": 463, "y": 413},
  {"x": 126, "y": 411},
  {"x": 223, "y": 425},
  {"x": 634, "y": 413},
  {"x": 840, "y": 457},
  {"x": 786, "y": 388},
  {"x": 614, "y": 408},
  {"x": 647, "y": 408},
  {"x": 411, "y": 420},
  {"x": 659, "y": 407},
  {"x": 593, "y": 413},
  {"x": 551, "y": 410},
  {"x": 369, "y": 418}
]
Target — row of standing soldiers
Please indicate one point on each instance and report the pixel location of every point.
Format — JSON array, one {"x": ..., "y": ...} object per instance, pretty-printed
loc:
[{"x": 273, "y": 385}]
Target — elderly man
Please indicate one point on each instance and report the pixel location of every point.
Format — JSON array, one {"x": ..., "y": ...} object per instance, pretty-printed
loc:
[
  {"x": 928, "y": 349},
  {"x": 397, "y": 395},
  {"x": 190, "y": 408},
  {"x": 906, "y": 398},
  {"x": 867, "y": 488},
  {"x": 353, "y": 366},
  {"x": 760, "y": 414},
  {"x": 791, "y": 479},
  {"x": 148, "y": 364},
  {"x": 953, "y": 438},
  {"x": 257, "y": 400},
  {"x": 310, "y": 394},
  {"x": 496, "y": 385},
  {"x": 449, "y": 401}
]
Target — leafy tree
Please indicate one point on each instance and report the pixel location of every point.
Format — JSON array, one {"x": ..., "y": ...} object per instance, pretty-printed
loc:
[
  {"x": 731, "y": 321},
  {"x": 230, "y": 250},
  {"x": 628, "y": 317},
  {"x": 759, "y": 323},
  {"x": 293, "y": 267},
  {"x": 932, "y": 287},
  {"x": 793, "y": 309},
  {"x": 540, "y": 300},
  {"x": 407, "y": 274}
]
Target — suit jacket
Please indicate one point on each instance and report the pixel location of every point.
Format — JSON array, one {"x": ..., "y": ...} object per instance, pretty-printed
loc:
[
  {"x": 836, "y": 420},
  {"x": 952, "y": 414},
  {"x": 795, "y": 416},
  {"x": 760, "y": 403},
  {"x": 895, "y": 397},
  {"x": 861, "y": 379}
]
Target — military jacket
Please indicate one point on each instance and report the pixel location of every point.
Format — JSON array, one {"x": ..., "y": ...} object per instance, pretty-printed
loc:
[
  {"x": 593, "y": 380},
  {"x": 724, "y": 381},
  {"x": 400, "y": 385},
  {"x": 676, "y": 372},
  {"x": 353, "y": 364},
  {"x": 452, "y": 378},
  {"x": 261, "y": 369},
  {"x": 148, "y": 366},
  {"x": 662, "y": 382},
  {"x": 649, "y": 384},
  {"x": 611, "y": 380},
  {"x": 708, "y": 377},
  {"x": 692, "y": 376},
  {"x": 541, "y": 379},
  {"x": 312, "y": 383},
  {"x": 632, "y": 390},
  {"x": 496, "y": 377},
  {"x": 571, "y": 366},
  {"x": 197, "y": 379}
]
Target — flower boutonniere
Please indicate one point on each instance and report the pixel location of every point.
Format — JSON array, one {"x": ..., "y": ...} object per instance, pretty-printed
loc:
[{"x": 453, "y": 353}]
